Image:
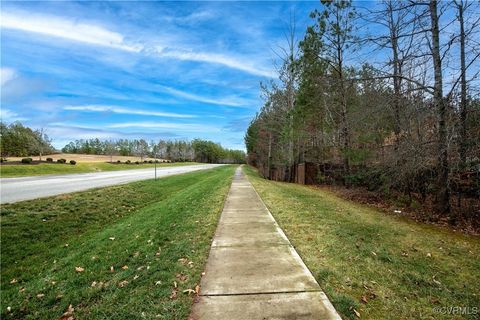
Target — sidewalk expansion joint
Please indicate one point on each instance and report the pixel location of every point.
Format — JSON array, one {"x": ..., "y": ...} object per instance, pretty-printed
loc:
[{"x": 258, "y": 293}]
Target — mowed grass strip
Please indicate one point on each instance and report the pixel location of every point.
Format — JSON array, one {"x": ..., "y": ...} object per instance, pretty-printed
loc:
[
  {"x": 21, "y": 170},
  {"x": 123, "y": 252},
  {"x": 381, "y": 266}
]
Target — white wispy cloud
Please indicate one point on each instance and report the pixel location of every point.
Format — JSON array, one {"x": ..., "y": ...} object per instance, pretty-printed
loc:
[
  {"x": 6, "y": 75},
  {"x": 89, "y": 33},
  {"x": 166, "y": 125},
  {"x": 232, "y": 101},
  {"x": 123, "y": 110},
  {"x": 214, "y": 58},
  {"x": 66, "y": 29},
  {"x": 10, "y": 116}
]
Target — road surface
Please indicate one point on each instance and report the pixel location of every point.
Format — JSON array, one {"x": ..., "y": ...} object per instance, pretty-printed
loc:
[{"x": 27, "y": 188}]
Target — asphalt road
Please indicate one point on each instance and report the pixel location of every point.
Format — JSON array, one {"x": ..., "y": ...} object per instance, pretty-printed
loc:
[{"x": 27, "y": 188}]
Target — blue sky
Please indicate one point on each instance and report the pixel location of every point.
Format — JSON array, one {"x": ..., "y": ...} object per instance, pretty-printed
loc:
[{"x": 170, "y": 70}]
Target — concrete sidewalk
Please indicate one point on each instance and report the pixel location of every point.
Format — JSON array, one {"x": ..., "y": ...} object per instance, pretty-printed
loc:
[{"x": 253, "y": 272}]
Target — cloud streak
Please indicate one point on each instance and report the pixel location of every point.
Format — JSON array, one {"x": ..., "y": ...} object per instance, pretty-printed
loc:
[
  {"x": 10, "y": 116},
  {"x": 123, "y": 110},
  {"x": 214, "y": 58},
  {"x": 93, "y": 34},
  {"x": 66, "y": 29},
  {"x": 233, "y": 101},
  {"x": 7, "y": 75},
  {"x": 165, "y": 125}
]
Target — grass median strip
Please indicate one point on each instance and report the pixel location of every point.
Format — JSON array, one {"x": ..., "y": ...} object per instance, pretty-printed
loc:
[
  {"x": 21, "y": 170},
  {"x": 379, "y": 266},
  {"x": 126, "y": 252}
]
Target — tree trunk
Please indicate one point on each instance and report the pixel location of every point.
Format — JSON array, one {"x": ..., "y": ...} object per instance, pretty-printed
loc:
[
  {"x": 443, "y": 196},
  {"x": 269, "y": 160},
  {"x": 397, "y": 81},
  {"x": 343, "y": 113},
  {"x": 463, "y": 89}
]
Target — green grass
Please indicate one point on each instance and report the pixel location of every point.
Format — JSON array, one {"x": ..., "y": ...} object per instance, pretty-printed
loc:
[
  {"x": 81, "y": 167},
  {"x": 403, "y": 269},
  {"x": 162, "y": 231}
]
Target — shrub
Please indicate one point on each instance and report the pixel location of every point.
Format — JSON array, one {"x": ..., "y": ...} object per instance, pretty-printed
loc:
[
  {"x": 118, "y": 161},
  {"x": 128, "y": 162},
  {"x": 62, "y": 160},
  {"x": 49, "y": 160},
  {"x": 27, "y": 160},
  {"x": 136, "y": 162},
  {"x": 73, "y": 162},
  {"x": 157, "y": 161},
  {"x": 150, "y": 161},
  {"x": 145, "y": 161},
  {"x": 2, "y": 160}
]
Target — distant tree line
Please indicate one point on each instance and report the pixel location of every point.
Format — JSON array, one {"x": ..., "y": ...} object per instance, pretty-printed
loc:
[
  {"x": 408, "y": 122},
  {"x": 17, "y": 140},
  {"x": 178, "y": 150}
]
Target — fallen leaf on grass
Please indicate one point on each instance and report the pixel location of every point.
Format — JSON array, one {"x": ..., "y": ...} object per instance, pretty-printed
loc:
[
  {"x": 125, "y": 267},
  {"x": 356, "y": 313},
  {"x": 181, "y": 277},
  {"x": 112, "y": 238},
  {"x": 13, "y": 281},
  {"x": 189, "y": 291},
  {"x": 68, "y": 315},
  {"x": 111, "y": 269},
  {"x": 197, "y": 289},
  {"x": 364, "y": 299},
  {"x": 123, "y": 283},
  {"x": 94, "y": 284},
  {"x": 157, "y": 283},
  {"x": 173, "y": 296},
  {"x": 40, "y": 295},
  {"x": 79, "y": 269}
]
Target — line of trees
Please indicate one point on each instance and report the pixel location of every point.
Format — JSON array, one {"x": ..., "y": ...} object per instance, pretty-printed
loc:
[
  {"x": 17, "y": 140},
  {"x": 410, "y": 123},
  {"x": 178, "y": 150}
]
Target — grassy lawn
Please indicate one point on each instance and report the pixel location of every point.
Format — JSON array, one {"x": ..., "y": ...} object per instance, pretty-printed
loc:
[
  {"x": 122, "y": 252},
  {"x": 81, "y": 167},
  {"x": 400, "y": 269}
]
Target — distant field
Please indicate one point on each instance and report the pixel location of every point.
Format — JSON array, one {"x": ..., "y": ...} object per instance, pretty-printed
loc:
[
  {"x": 22, "y": 170},
  {"x": 84, "y": 158}
]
